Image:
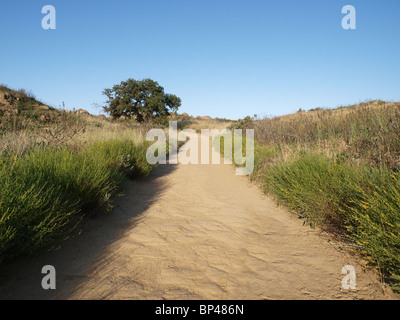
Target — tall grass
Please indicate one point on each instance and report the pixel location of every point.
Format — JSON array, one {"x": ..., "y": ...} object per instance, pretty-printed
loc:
[
  {"x": 198, "y": 125},
  {"x": 338, "y": 169},
  {"x": 360, "y": 202},
  {"x": 56, "y": 167},
  {"x": 46, "y": 192},
  {"x": 367, "y": 133}
]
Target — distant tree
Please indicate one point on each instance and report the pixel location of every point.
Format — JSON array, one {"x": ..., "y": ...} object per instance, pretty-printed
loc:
[{"x": 140, "y": 99}]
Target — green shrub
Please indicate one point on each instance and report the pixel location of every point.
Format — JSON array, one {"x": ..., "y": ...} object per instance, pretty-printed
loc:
[
  {"x": 375, "y": 221},
  {"x": 357, "y": 201},
  {"x": 314, "y": 186},
  {"x": 362, "y": 203},
  {"x": 46, "y": 193}
]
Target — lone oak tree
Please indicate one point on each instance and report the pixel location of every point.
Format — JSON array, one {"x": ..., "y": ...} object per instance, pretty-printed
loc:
[{"x": 140, "y": 99}]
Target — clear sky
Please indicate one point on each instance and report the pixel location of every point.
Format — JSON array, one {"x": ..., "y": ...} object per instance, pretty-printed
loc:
[{"x": 223, "y": 58}]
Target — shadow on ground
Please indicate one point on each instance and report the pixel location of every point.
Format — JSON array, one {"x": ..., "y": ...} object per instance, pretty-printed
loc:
[{"x": 79, "y": 255}]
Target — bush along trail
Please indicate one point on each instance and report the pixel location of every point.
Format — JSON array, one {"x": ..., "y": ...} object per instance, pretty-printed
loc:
[
  {"x": 47, "y": 192},
  {"x": 197, "y": 231},
  {"x": 194, "y": 231},
  {"x": 338, "y": 169}
]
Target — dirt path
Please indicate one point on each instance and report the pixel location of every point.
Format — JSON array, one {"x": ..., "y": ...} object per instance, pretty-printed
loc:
[{"x": 193, "y": 232}]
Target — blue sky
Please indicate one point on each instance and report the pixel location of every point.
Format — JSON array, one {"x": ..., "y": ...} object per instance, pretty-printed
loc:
[{"x": 223, "y": 58}]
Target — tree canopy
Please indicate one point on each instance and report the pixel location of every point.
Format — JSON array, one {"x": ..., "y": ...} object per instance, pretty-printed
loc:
[{"x": 140, "y": 99}]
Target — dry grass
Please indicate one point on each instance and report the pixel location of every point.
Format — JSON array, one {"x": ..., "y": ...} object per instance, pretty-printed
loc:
[
  {"x": 57, "y": 167},
  {"x": 368, "y": 133},
  {"x": 197, "y": 125},
  {"x": 339, "y": 169},
  {"x": 70, "y": 130}
]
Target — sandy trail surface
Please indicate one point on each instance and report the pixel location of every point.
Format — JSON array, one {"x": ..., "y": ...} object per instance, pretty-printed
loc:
[{"x": 193, "y": 232}]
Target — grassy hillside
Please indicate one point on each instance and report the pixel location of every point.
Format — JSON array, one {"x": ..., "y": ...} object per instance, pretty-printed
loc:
[
  {"x": 56, "y": 167},
  {"x": 338, "y": 169}
]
